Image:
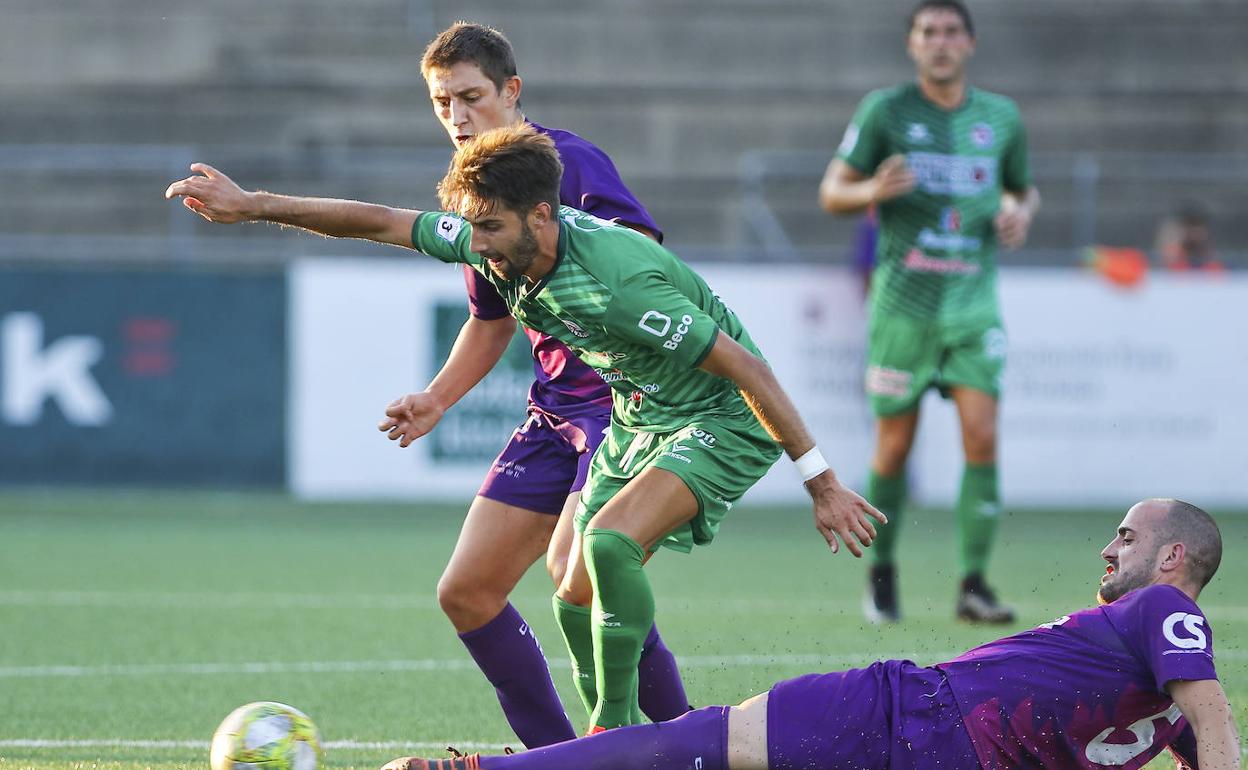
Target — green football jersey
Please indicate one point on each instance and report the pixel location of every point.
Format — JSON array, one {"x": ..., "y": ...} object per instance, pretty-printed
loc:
[
  {"x": 935, "y": 254},
  {"x": 626, "y": 306}
]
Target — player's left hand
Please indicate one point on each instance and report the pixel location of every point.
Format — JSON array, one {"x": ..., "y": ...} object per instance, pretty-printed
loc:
[
  {"x": 1012, "y": 224},
  {"x": 842, "y": 513},
  {"x": 411, "y": 417}
]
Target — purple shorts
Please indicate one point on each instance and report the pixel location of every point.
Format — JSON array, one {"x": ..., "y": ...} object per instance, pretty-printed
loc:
[
  {"x": 546, "y": 459},
  {"x": 892, "y": 715}
]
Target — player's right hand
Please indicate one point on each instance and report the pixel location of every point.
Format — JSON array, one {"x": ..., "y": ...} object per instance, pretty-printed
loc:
[
  {"x": 410, "y": 417},
  {"x": 892, "y": 179},
  {"x": 212, "y": 195}
]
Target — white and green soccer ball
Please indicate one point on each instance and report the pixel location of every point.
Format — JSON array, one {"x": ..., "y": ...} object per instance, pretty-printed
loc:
[{"x": 266, "y": 736}]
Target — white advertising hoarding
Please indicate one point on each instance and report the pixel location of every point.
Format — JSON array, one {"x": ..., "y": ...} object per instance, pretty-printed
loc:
[{"x": 1110, "y": 395}]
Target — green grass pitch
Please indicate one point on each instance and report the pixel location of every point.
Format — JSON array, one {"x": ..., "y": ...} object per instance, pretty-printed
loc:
[{"x": 132, "y": 623}]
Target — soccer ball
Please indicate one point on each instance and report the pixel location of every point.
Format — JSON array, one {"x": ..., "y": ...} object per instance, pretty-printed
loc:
[{"x": 266, "y": 736}]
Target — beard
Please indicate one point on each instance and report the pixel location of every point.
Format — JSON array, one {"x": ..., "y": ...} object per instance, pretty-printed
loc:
[
  {"x": 1122, "y": 583},
  {"x": 523, "y": 253}
]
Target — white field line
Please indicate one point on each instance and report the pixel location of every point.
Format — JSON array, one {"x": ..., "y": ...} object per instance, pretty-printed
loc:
[
  {"x": 120, "y": 743},
  {"x": 192, "y": 600},
  {"x": 428, "y": 664}
]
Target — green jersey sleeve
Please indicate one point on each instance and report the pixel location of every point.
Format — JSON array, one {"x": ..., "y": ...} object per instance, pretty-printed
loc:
[
  {"x": 1015, "y": 166},
  {"x": 865, "y": 144},
  {"x": 650, "y": 311},
  {"x": 444, "y": 236}
]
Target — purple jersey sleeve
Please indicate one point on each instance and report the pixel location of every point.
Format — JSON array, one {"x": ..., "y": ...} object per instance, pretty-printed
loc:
[
  {"x": 1169, "y": 632},
  {"x": 591, "y": 183},
  {"x": 484, "y": 301}
]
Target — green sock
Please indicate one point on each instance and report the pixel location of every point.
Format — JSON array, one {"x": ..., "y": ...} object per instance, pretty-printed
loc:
[
  {"x": 574, "y": 621},
  {"x": 623, "y": 615},
  {"x": 887, "y": 493},
  {"x": 979, "y": 510}
]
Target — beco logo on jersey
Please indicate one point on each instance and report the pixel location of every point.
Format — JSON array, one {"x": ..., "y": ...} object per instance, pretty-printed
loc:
[{"x": 659, "y": 324}]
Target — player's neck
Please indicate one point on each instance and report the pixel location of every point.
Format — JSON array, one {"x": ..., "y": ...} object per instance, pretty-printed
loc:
[{"x": 947, "y": 95}]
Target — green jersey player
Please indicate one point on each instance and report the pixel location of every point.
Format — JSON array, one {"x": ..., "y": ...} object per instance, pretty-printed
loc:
[
  {"x": 946, "y": 167},
  {"x": 697, "y": 418}
]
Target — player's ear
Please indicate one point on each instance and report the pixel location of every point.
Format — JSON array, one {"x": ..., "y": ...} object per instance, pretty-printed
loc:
[
  {"x": 511, "y": 91},
  {"x": 1172, "y": 556},
  {"x": 541, "y": 214}
]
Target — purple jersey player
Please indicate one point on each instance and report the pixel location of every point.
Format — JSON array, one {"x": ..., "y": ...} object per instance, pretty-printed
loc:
[
  {"x": 524, "y": 507},
  {"x": 1109, "y": 687}
]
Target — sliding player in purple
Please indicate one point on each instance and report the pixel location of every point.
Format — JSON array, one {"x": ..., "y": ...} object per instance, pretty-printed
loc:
[
  {"x": 697, "y": 417},
  {"x": 515, "y": 519},
  {"x": 1101, "y": 688}
]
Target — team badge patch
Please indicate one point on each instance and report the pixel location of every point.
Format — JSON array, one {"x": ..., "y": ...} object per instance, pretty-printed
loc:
[
  {"x": 982, "y": 135},
  {"x": 918, "y": 133}
]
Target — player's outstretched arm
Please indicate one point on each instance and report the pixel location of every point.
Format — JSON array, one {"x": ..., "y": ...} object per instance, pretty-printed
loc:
[
  {"x": 216, "y": 197},
  {"x": 479, "y": 346},
  {"x": 1203, "y": 702},
  {"x": 846, "y": 190},
  {"x": 839, "y": 511}
]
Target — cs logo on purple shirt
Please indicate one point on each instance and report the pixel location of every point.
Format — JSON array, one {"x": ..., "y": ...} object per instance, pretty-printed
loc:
[{"x": 1194, "y": 636}]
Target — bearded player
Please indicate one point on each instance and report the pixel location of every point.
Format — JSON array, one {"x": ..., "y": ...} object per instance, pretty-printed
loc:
[
  {"x": 697, "y": 415},
  {"x": 1099, "y": 689}
]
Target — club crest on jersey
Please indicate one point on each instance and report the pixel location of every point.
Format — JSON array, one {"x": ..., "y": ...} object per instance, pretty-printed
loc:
[
  {"x": 951, "y": 219},
  {"x": 982, "y": 135},
  {"x": 448, "y": 227},
  {"x": 578, "y": 331},
  {"x": 1194, "y": 637},
  {"x": 918, "y": 133}
]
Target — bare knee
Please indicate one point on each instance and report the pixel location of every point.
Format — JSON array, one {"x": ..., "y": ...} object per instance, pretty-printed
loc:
[
  {"x": 468, "y": 605},
  {"x": 576, "y": 589},
  {"x": 979, "y": 439},
  {"x": 892, "y": 449}
]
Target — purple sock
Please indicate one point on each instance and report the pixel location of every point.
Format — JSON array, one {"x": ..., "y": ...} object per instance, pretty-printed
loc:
[
  {"x": 698, "y": 739},
  {"x": 660, "y": 691},
  {"x": 510, "y": 657}
]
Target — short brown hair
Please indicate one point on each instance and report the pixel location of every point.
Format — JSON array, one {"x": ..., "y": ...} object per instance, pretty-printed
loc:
[
  {"x": 943, "y": 5},
  {"x": 512, "y": 166},
  {"x": 476, "y": 44}
]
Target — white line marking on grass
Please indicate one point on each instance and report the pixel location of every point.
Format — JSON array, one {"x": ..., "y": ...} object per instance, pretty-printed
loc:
[
  {"x": 464, "y": 664},
  {"x": 430, "y": 664},
  {"x": 118, "y": 743},
  {"x": 275, "y": 600}
]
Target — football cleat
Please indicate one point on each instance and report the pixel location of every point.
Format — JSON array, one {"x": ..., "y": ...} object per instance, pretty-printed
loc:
[
  {"x": 978, "y": 604},
  {"x": 880, "y": 604}
]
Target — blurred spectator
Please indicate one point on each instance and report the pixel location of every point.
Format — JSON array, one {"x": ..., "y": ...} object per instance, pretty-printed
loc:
[{"x": 1185, "y": 241}]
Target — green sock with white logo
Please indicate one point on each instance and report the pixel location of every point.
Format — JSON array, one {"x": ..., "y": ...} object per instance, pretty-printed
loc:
[
  {"x": 888, "y": 494},
  {"x": 979, "y": 511},
  {"x": 574, "y": 622},
  {"x": 623, "y": 613}
]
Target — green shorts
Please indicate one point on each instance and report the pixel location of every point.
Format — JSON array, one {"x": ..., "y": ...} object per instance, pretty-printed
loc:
[
  {"x": 906, "y": 357},
  {"x": 718, "y": 458}
]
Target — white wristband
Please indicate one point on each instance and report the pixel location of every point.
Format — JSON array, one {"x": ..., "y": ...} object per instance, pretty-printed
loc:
[{"x": 811, "y": 464}]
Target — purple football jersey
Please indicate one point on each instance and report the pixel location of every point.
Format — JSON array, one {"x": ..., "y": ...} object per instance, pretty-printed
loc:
[
  {"x": 1087, "y": 690},
  {"x": 564, "y": 386}
]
